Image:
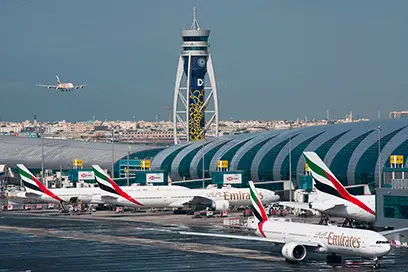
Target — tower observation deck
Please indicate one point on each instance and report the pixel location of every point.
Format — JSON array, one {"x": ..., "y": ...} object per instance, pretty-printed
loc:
[{"x": 193, "y": 102}]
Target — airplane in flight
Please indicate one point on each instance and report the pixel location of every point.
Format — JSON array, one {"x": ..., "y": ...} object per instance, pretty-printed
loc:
[
  {"x": 332, "y": 198},
  {"x": 298, "y": 238},
  {"x": 36, "y": 191},
  {"x": 216, "y": 199},
  {"x": 63, "y": 87}
]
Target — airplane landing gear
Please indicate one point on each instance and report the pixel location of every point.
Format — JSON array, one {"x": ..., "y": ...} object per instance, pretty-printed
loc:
[
  {"x": 62, "y": 208},
  {"x": 324, "y": 219},
  {"x": 376, "y": 263},
  {"x": 347, "y": 223},
  {"x": 333, "y": 259}
]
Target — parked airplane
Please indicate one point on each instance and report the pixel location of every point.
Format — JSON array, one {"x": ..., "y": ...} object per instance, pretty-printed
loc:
[
  {"x": 63, "y": 87},
  {"x": 298, "y": 237},
  {"x": 36, "y": 191},
  {"x": 216, "y": 199},
  {"x": 332, "y": 199}
]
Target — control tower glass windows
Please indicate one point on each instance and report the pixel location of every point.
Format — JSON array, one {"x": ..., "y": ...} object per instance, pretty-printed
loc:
[
  {"x": 197, "y": 48},
  {"x": 396, "y": 207},
  {"x": 195, "y": 39}
]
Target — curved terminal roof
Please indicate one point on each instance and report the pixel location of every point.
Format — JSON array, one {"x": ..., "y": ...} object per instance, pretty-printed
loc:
[
  {"x": 350, "y": 150},
  {"x": 14, "y": 150}
]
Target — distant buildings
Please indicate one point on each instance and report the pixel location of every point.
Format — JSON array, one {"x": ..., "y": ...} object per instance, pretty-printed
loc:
[
  {"x": 398, "y": 114},
  {"x": 144, "y": 131}
]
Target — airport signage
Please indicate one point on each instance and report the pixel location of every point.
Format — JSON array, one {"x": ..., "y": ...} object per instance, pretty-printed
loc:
[
  {"x": 232, "y": 178},
  {"x": 397, "y": 159},
  {"x": 86, "y": 175},
  {"x": 222, "y": 164},
  {"x": 156, "y": 177}
]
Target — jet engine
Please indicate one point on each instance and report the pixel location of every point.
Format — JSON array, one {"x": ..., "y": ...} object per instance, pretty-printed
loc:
[
  {"x": 220, "y": 205},
  {"x": 294, "y": 252}
]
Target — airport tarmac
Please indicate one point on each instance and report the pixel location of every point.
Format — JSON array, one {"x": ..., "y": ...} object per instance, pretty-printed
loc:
[{"x": 106, "y": 241}]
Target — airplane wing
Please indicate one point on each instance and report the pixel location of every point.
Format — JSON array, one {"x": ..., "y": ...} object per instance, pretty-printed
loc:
[
  {"x": 48, "y": 86},
  {"x": 296, "y": 205},
  {"x": 108, "y": 197},
  {"x": 30, "y": 194},
  {"x": 394, "y": 232},
  {"x": 79, "y": 86},
  {"x": 194, "y": 201},
  {"x": 242, "y": 237}
]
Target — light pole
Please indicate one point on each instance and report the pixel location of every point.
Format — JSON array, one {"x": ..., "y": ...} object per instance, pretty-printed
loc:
[
  {"x": 203, "y": 173},
  {"x": 290, "y": 161},
  {"x": 61, "y": 163},
  {"x": 42, "y": 155},
  {"x": 128, "y": 154},
  {"x": 379, "y": 129},
  {"x": 113, "y": 154}
]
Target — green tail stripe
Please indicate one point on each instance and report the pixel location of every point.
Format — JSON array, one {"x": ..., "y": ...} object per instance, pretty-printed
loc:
[
  {"x": 253, "y": 196},
  {"x": 100, "y": 175},
  {"x": 25, "y": 174},
  {"x": 315, "y": 168}
]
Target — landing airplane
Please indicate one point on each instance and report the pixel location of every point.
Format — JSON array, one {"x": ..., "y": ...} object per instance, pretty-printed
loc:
[
  {"x": 298, "y": 237},
  {"x": 332, "y": 198},
  {"x": 216, "y": 199},
  {"x": 63, "y": 87},
  {"x": 36, "y": 191}
]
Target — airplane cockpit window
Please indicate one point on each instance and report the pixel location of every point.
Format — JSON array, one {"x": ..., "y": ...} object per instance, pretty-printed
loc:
[{"x": 382, "y": 242}]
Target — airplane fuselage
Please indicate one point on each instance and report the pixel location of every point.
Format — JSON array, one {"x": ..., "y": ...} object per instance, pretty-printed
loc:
[
  {"x": 331, "y": 239},
  {"x": 65, "y": 86},
  {"x": 160, "y": 199},
  {"x": 347, "y": 209},
  {"x": 89, "y": 195}
]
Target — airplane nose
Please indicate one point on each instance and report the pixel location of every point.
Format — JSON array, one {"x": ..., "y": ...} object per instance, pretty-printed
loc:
[
  {"x": 385, "y": 249},
  {"x": 388, "y": 249}
]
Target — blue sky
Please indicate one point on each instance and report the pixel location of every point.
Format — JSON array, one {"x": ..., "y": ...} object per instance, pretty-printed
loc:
[{"x": 272, "y": 59}]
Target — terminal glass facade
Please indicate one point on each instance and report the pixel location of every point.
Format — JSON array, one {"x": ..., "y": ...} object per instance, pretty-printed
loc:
[{"x": 396, "y": 207}]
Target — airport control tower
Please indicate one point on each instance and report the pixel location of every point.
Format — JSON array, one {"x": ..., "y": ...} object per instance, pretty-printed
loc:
[{"x": 193, "y": 102}]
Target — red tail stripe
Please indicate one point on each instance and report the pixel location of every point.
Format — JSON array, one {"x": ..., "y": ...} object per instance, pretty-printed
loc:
[
  {"x": 264, "y": 217},
  {"x": 123, "y": 194},
  {"x": 346, "y": 194},
  {"x": 44, "y": 189},
  {"x": 260, "y": 227}
]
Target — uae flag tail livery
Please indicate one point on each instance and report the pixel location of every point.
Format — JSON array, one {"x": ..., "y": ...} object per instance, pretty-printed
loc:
[
  {"x": 326, "y": 182},
  {"x": 33, "y": 185},
  {"x": 107, "y": 184},
  {"x": 259, "y": 211}
]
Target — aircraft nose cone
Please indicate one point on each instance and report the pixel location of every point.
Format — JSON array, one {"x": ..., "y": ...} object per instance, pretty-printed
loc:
[{"x": 385, "y": 249}]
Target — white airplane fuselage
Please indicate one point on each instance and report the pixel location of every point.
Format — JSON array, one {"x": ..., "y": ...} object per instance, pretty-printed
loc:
[
  {"x": 89, "y": 195},
  {"x": 65, "y": 86},
  {"x": 161, "y": 199},
  {"x": 332, "y": 239},
  {"x": 347, "y": 209}
]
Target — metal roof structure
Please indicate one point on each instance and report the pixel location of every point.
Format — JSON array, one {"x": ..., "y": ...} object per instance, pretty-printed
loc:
[
  {"x": 14, "y": 150},
  {"x": 349, "y": 149}
]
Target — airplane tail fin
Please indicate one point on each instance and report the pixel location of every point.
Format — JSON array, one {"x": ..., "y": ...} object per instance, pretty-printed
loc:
[
  {"x": 58, "y": 80},
  {"x": 259, "y": 211},
  {"x": 107, "y": 184},
  {"x": 32, "y": 184},
  {"x": 324, "y": 180},
  {"x": 327, "y": 183}
]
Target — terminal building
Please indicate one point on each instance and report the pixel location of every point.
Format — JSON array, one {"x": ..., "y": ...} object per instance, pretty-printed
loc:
[{"x": 351, "y": 150}]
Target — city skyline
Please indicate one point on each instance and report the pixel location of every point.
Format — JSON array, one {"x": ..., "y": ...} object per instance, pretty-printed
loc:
[{"x": 290, "y": 59}]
